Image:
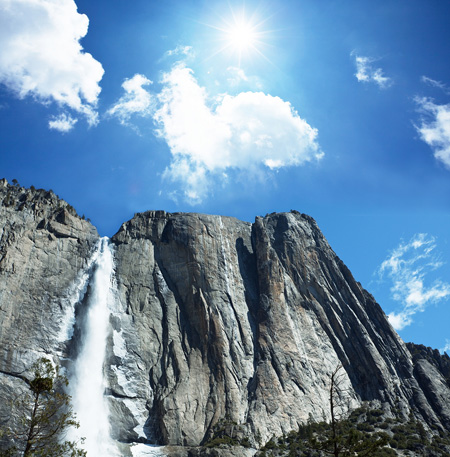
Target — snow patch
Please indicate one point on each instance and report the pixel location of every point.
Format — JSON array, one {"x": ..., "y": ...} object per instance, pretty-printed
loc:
[
  {"x": 139, "y": 412},
  {"x": 119, "y": 346},
  {"x": 124, "y": 382},
  {"x": 145, "y": 450}
]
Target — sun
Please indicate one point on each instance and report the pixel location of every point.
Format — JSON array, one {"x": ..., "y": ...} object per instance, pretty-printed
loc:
[{"x": 242, "y": 36}]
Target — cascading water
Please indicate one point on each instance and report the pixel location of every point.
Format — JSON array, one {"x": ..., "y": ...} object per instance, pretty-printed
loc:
[{"x": 87, "y": 383}]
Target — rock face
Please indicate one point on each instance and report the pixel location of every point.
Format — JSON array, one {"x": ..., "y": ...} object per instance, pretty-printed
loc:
[
  {"x": 248, "y": 321},
  {"x": 440, "y": 361},
  {"x": 215, "y": 321},
  {"x": 43, "y": 247},
  {"x": 432, "y": 371}
]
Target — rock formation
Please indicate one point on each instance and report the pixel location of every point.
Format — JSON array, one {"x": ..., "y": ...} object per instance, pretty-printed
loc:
[
  {"x": 44, "y": 245},
  {"x": 215, "y": 321}
]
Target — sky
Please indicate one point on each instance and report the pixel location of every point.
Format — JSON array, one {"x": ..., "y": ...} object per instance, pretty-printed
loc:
[{"x": 337, "y": 109}]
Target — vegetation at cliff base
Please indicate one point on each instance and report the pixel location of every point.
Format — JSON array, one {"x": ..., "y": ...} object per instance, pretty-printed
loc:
[
  {"x": 45, "y": 416},
  {"x": 365, "y": 432},
  {"x": 362, "y": 432},
  {"x": 227, "y": 433}
]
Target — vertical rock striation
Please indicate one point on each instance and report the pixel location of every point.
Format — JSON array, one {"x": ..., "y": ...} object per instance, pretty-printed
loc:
[
  {"x": 187, "y": 283},
  {"x": 246, "y": 322},
  {"x": 43, "y": 247},
  {"x": 214, "y": 321}
]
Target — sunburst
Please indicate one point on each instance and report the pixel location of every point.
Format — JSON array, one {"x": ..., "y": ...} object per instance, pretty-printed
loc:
[{"x": 242, "y": 35}]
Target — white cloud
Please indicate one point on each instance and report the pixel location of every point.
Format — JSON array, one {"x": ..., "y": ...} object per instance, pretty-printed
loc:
[
  {"x": 434, "y": 83},
  {"x": 180, "y": 50},
  {"x": 237, "y": 77},
  {"x": 249, "y": 131},
  {"x": 435, "y": 128},
  {"x": 446, "y": 348},
  {"x": 407, "y": 267},
  {"x": 63, "y": 123},
  {"x": 365, "y": 72},
  {"x": 41, "y": 54},
  {"x": 136, "y": 101}
]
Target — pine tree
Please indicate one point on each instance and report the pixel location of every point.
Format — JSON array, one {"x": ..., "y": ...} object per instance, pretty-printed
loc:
[{"x": 46, "y": 416}]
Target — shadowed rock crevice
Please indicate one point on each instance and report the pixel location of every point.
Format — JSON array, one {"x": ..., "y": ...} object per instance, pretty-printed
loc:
[
  {"x": 214, "y": 320},
  {"x": 262, "y": 314}
]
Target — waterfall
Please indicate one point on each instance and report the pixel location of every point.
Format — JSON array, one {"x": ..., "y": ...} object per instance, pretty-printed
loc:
[{"x": 87, "y": 382}]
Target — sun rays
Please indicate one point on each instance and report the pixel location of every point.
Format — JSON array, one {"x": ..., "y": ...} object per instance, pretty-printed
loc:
[{"x": 242, "y": 36}]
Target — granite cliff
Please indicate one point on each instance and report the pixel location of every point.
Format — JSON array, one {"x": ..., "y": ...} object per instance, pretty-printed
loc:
[{"x": 213, "y": 321}]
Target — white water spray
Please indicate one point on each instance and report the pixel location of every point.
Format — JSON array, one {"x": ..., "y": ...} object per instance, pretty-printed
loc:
[{"x": 87, "y": 383}]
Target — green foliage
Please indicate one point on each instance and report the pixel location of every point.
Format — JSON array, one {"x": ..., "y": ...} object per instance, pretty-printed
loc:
[
  {"x": 11, "y": 452},
  {"x": 316, "y": 439},
  {"x": 71, "y": 210},
  {"x": 45, "y": 417},
  {"x": 221, "y": 441},
  {"x": 9, "y": 200},
  {"x": 362, "y": 433},
  {"x": 270, "y": 444},
  {"x": 389, "y": 438},
  {"x": 227, "y": 433},
  {"x": 245, "y": 442},
  {"x": 342, "y": 437}
]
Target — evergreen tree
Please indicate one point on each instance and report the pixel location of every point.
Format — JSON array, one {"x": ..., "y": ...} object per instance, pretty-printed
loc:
[{"x": 45, "y": 417}]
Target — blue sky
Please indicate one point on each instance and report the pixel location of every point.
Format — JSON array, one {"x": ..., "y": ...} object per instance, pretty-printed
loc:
[{"x": 340, "y": 110}]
